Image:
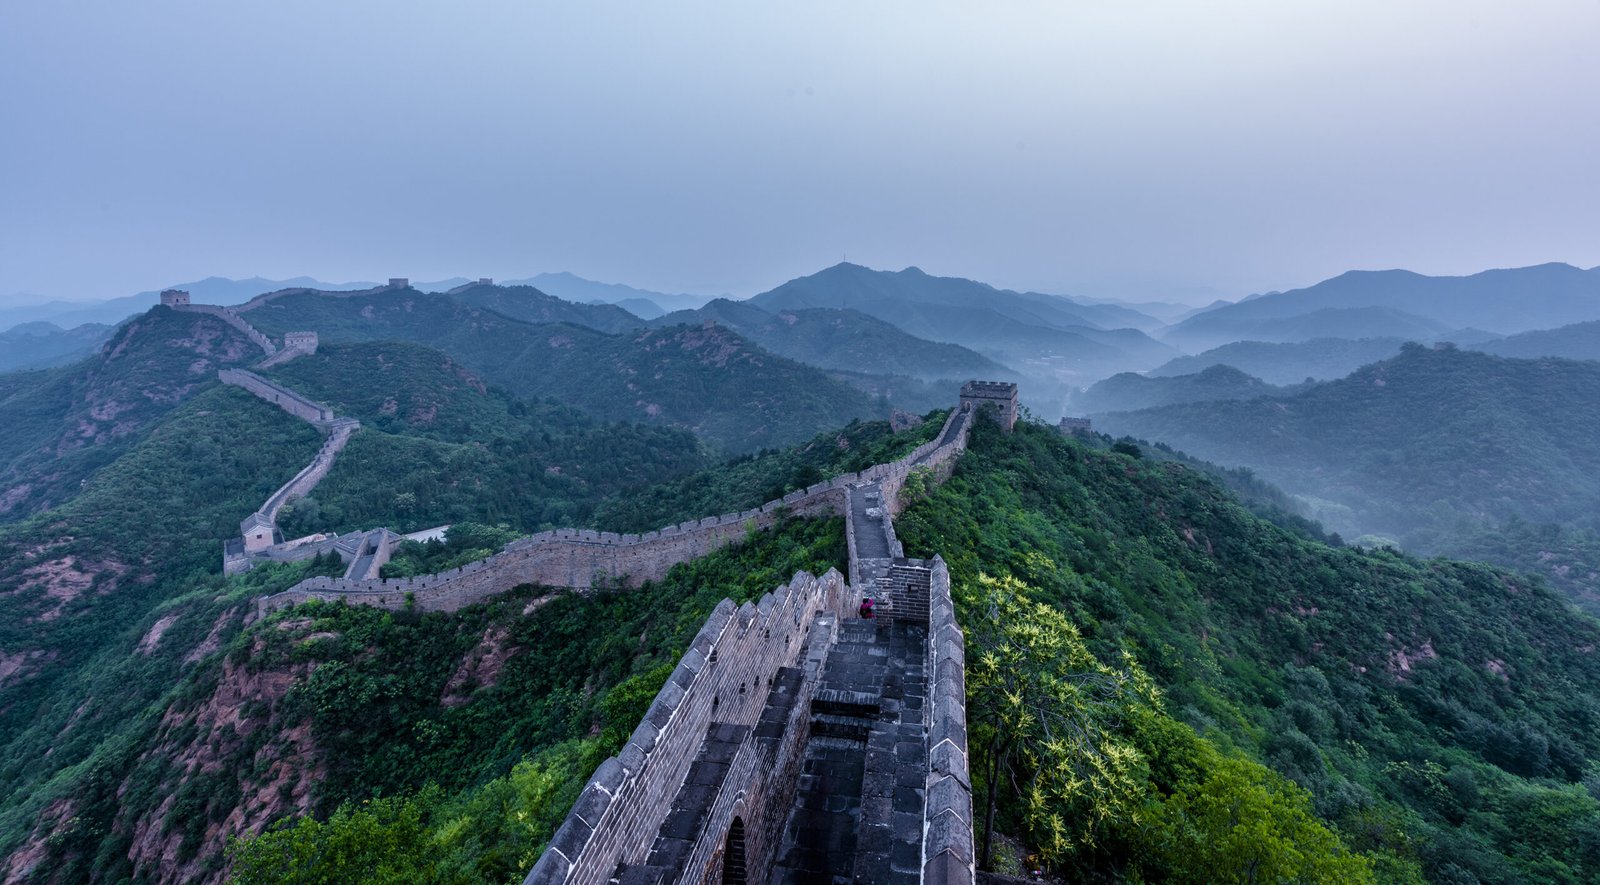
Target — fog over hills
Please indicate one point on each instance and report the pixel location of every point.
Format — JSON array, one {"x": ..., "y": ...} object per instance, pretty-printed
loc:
[
  {"x": 1506, "y": 301},
  {"x": 1417, "y": 447},
  {"x": 843, "y": 339},
  {"x": 1037, "y": 334}
]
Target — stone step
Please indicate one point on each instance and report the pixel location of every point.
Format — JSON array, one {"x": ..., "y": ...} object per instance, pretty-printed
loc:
[
  {"x": 860, "y": 704},
  {"x": 833, "y": 725}
]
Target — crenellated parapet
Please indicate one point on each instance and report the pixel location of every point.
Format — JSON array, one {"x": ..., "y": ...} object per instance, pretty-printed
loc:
[
  {"x": 731, "y": 722},
  {"x": 227, "y": 315},
  {"x": 581, "y": 559}
]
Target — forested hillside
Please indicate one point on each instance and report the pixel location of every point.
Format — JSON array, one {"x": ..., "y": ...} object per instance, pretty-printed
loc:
[
  {"x": 708, "y": 380},
  {"x": 1419, "y": 447},
  {"x": 1322, "y": 359},
  {"x": 1375, "y": 717},
  {"x": 1127, "y": 391},
  {"x": 439, "y": 446},
  {"x": 842, "y": 339},
  {"x": 62, "y": 425},
  {"x": 1428, "y": 714}
]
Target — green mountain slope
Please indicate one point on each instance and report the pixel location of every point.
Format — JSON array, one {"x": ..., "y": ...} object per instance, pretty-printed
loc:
[
  {"x": 1437, "y": 712},
  {"x": 1127, "y": 391},
  {"x": 710, "y": 381},
  {"x": 1012, "y": 327},
  {"x": 42, "y": 345},
  {"x": 533, "y": 306},
  {"x": 1323, "y": 359},
  {"x": 1371, "y": 715},
  {"x": 842, "y": 339},
  {"x": 64, "y": 424},
  {"x": 1416, "y": 446},
  {"x": 1506, "y": 301},
  {"x": 1578, "y": 341},
  {"x": 439, "y": 446}
]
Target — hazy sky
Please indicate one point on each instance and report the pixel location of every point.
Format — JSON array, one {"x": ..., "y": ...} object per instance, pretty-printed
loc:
[{"x": 1094, "y": 147}]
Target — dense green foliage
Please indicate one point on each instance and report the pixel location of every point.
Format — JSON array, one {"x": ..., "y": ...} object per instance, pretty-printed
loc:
[
  {"x": 842, "y": 339},
  {"x": 1430, "y": 445},
  {"x": 1568, "y": 558},
  {"x": 707, "y": 379},
  {"x": 43, "y": 345},
  {"x": 533, "y": 306},
  {"x": 1128, "y": 391},
  {"x": 63, "y": 425},
  {"x": 1323, "y": 359},
  {"x": 437, "y": 446},
  {"x": 1578, "y": 341},
  {"x": 752, "y": 480},
  {"x": 481, "y": 774},
  {"x": 1438, "y": 714}
]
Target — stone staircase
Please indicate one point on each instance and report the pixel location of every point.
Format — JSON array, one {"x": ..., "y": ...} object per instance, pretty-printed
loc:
[{"x": 858, "y": 813}]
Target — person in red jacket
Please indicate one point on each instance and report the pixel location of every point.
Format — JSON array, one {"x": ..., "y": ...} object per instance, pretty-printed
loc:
[{"x": 866, "y": 607}]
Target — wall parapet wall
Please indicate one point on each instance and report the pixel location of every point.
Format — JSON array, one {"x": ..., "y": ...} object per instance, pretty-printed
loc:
[
  {"x": 948, "y": 857},
  {"x": 723, "y": 678},
  {"x": 299, "y": 406},
  {"x": 582, "y": 558},
  {"x": 313, "y": 473},
  {"x": 233, "y": 319}
]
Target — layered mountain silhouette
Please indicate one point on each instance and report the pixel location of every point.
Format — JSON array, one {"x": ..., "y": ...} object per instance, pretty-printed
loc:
[
  {"x": 842, "y": 339},
  {"x": 1507, "y": 301},
  {"x": 1014, "y": 327}
]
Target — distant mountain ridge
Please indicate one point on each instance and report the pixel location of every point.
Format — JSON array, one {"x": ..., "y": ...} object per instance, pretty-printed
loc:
[
  {"x": 1323, "y": 359},
  {"x": 1015, "y": 328},
  {"x": 1128, "y": 391},
  {"x": 575, "y": 288},
  {"x": 1415, "y": 446},
  {"x": 1505, "y": 300},
  {"x": 842, "y": 339},
  {"x": 727, "y": 390},
  {"x": 1578, "y": 341}
]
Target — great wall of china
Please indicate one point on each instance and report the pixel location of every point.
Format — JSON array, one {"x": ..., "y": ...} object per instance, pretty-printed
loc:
[{"x": 793, "y": 743}]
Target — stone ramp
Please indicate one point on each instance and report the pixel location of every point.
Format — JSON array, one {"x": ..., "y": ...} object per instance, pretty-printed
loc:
[
  {"x": 871, "y": 539},
  {"x": 858, "y": 812}
]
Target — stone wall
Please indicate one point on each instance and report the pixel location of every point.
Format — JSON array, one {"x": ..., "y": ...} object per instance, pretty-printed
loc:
[
  {"x": 723, "y": 680},
  {"x": 581, "y": 558},
  {"x": 303, "y": 482},
  {"x": 947, "y": 845},
  {"x": 280, "y": 396},
  {"x": 233, "y": 319}
]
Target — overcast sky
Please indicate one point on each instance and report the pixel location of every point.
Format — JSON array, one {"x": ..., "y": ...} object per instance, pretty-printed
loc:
[{"x": 1123, "y": 148}]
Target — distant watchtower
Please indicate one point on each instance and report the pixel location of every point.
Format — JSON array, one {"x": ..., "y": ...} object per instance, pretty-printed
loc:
[
  {"x": 259, "y": 533},
  {"x": 1070, "y": 425},
  {"x": 486, "y": 281},
  {"x": 399, "y": 283},
  {"x": 1000, "y": 394},
  {"x": 305, "y": 342},
  {"x": 174, "y": 298}
]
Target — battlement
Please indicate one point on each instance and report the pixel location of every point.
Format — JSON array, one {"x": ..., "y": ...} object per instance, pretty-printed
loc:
[
  {"x": 1073, "y": 425},
  {"x": 306, "y": 341},
  {"x": 174, "y": 298},
  {"x": 793, "y": 743},
  {"x": 582, "y": 559},
  {"x": 1000, "y": 395}
]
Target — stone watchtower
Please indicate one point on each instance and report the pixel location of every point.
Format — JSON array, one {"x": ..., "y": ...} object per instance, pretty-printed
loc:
[
  {"x": 305, "y": 342},
  {"x": 259, "y": 532},
  {"x": 1000, "y": 394},
  {"x": 399, "y": 283},
  {"x": 174, "y": 298}
]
